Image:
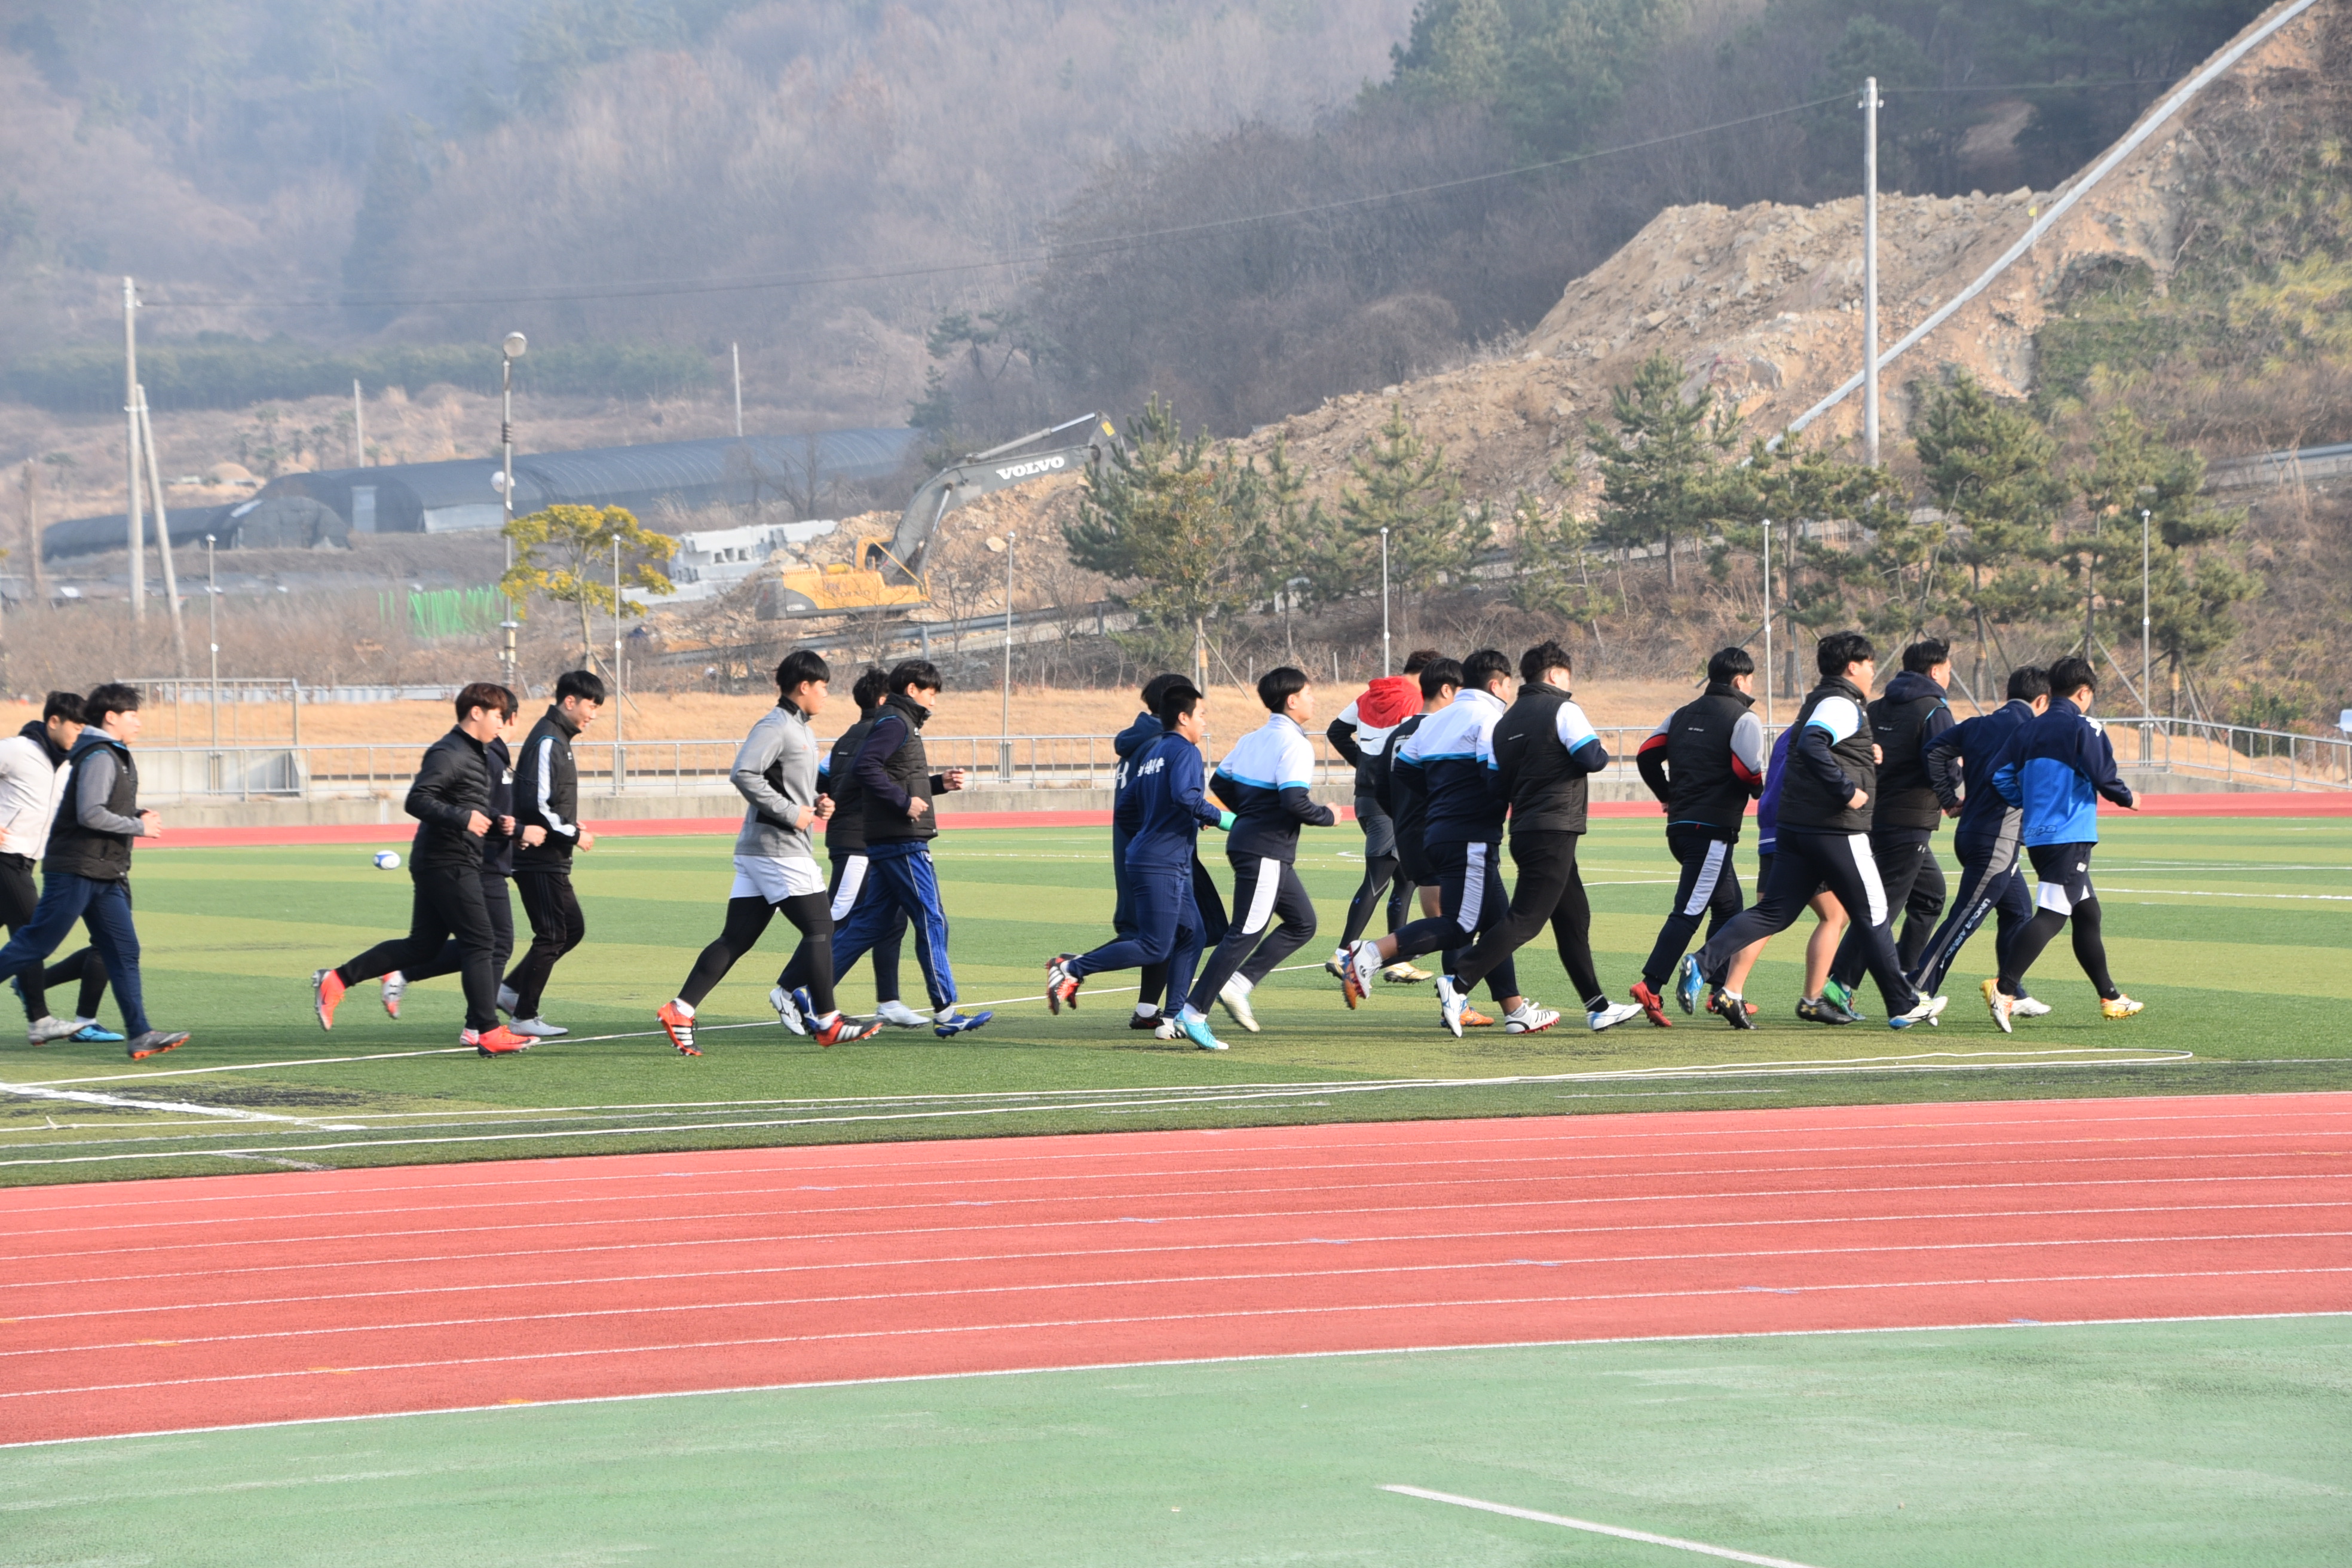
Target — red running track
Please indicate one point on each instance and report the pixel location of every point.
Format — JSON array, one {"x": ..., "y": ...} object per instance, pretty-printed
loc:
[{"x": 157, "y": 1305}]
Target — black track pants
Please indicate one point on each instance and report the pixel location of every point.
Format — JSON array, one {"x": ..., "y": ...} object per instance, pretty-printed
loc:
[
  {"x": 1989, "y": 883},
  {"x": 1709, "y": 889},
  {"x": 747, "y": 921},
  {"x": 1470, "y": 900},
  {"x": 1803, "y": 862},
  {"x": 1550, "y": 891},
  {"x": 497, "y": 903},
  {"x": 1266, "y": 891},
  {"x": 848, "y": 887},
  {"x": 447, "y": 903},
  {"x": 1913, "y": 880},
  {"x": 557, "y": 927}
]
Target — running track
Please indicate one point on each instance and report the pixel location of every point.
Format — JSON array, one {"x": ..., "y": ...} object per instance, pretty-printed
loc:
[{"x": 157, "y": 1305}]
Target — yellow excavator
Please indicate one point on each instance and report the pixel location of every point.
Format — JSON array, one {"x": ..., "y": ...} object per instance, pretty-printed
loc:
[{"x": 889, "y": 572}]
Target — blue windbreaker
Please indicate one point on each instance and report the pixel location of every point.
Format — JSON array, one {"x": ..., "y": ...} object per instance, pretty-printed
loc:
[
  {"x": 1767, "y": 804},
  {"x": 1164, "y": 792},
  {"x": 2056, "y": 770},
  {"x": 1127, "y": 746},
  {"x": 1976, "y": 747}
]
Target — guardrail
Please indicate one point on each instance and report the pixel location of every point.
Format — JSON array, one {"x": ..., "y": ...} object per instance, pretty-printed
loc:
[{"x": 2228, "y": 755}]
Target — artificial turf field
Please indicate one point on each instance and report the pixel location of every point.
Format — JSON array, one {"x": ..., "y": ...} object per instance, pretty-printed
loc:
[{"x": 2220, "y": 1441}]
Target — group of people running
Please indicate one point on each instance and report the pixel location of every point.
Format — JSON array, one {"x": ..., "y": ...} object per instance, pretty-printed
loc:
[{"x": 1449, "y": 763}]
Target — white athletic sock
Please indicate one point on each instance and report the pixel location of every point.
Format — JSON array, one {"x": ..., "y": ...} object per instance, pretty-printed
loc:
[
  {"x": 1240, "y": 983},
  {"x": 1192, "y": 1014},
  {"x": 826, "y": 1022},
  {"x": 1147, "y": 1009},
  {"x": 944, "y": 1013},
  {"x": 682, "y": 1005}
]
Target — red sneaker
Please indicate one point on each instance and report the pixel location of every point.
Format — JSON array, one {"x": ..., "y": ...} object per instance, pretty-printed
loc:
[
  {"x": 499, "y": 1042},
  {"x": 1652, "y": 1004},
  {"x": 678, "y": 1025},
  {"x": 1061, "y": 985},
  {"x": 844, "y": 1029},
  {"x": 326, "y": 989}
]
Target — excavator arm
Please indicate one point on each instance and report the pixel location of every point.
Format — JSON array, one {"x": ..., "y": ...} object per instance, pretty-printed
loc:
[{"x": 902, "y": 561}]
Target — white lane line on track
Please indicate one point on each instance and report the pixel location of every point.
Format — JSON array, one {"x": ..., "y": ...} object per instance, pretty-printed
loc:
[
  {"x": 914, "y": 1261},
  {"x": 1233, "y": 1313},
  {"x": 962, "y": 1292},
  {"x": 1522, "y": 1167},
  {"x": 1622, "y": 1533},
  {"x": 86, "y": 1096},
  {"x": 1401, "y": 1238},
  {"x": 1211, "y": 1218}
]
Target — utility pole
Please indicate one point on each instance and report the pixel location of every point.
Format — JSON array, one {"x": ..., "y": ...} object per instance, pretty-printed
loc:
[
  {"x": 1387, "y": 665},
  {"x": 1768, "y": 622},
  {"x": 735, "y": 353},
  {"x": 512, "y": 349},
  {"x": 32, "y": 527},
  {"x": 163, "y": 537},
  {"x": 212, "y": 614},
  {"x": 130, "y": 451},
  {"x": 359, "y": 426},
  {"x": 620, "y": 698},
  {"x": 2146, "y": 711},
  {"x": 1870, "y": 107}
]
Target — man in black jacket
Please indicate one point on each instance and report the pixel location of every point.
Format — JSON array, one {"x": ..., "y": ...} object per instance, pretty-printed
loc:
[
  {"x": 1704, "y": 764},
  {"x": 86, "y": 873},
  {"x": 450, "y": 800},
  {"x": 547, "y": 798},
  {"x": 1823, "y": 840},
  {"x": 844, "y": 847},
  {"x": 498, "y": 866},
  {"x": 1545, "y": 749},
  {"x": 1904, "y": 722}
]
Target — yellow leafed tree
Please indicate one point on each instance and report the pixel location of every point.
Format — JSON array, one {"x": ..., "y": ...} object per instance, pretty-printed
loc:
[{"x": 566, "y": 553}]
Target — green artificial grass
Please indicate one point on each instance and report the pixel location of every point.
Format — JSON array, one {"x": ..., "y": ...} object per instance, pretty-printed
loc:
[{"x": 2236, "y": 932}]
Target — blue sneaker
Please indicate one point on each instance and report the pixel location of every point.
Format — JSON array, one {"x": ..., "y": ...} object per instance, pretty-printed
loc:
[
  {"x": 1197, "y": 1031},
  {"x": 956, "y": 1023},
  {"x": 95, "y": 1034},
  {"x": 1688, "y": 983},
  {"x": 801, "y": 1000}
]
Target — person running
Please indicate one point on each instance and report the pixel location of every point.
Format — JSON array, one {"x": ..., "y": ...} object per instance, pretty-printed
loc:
[
  {"x": 1399, "y": 788},
  {"x": 1988, "y": 837},
  {"x": 897, "y": 783},
  {"x": 1207, "y": 902},
  {"x": 1704, "y": 762},
  {"x": 1166, "y": 811},
  {"x": 1903, "y": 723},
  {"x": 1361, "y": 735},
  {"x": 1823, "y": 840},
  {"x": 450, "y": 799},
  {"x": 2055, "y": 774},
  {"x": 86, "y": 871},
  {"x": 775, "y": 865},
  {"x": 547, "y": 797},
  {"x": 1264, "y": 778},
  {"x": 1828, "y": 915},
  {"x": 1545, "y": 749},
  {"x": 498, "y": 866},
  {"x": 1455, "y": 750},
  {"x": 33, "y": 779}
]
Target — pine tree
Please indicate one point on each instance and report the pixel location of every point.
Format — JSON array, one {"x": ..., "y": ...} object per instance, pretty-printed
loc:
[
  {"x": 1658, "y": 478},
  {"x": 1404, "y": 485},
  {"x": 1992, "y": 472}
]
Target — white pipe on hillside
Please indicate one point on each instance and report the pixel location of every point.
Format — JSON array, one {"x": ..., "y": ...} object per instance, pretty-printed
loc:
[{"x": 2059, "y": 209}]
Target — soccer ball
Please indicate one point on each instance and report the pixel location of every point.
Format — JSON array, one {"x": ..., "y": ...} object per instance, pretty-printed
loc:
[{"x": 387, "y": 860}]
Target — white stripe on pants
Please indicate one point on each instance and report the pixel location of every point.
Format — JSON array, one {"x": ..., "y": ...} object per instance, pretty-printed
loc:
[
  {"x": 1474, "y": 891},
  {"x": 1708, "y": 875},
  {"x": 1261, "y": 907},
  {"x": 853, "y": 880},
  {"x": 1867, "y": 865}
]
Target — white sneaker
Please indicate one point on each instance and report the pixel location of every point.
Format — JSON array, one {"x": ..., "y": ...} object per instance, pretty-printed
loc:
[
  {"x": 1609, "y": 1017},
  {"x": 899, "y": 1016},
  {"x": 2029, "y": 1007},
  {"x": 538, "y": 1028},
  {"x": 1234, "y": 1000},
  {"x": 2000, "y": 1006},
  {"x": 1165, "y": 1029},
  {"x": 787, "y": 1014},
  {"x": 1361, "y": 963},
  {"x": 42, "y": 1031},
  {"x": 1927, "y": 1012},
  {"x": 395, "y": 985},
  {"x": 507, "y": 999},
  {"x": 1528, "y": 1018},
  {"x": 1452, "y": 1000}
]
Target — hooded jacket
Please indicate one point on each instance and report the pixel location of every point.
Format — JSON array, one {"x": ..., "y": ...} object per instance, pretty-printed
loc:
[
  {"x": 1366, "y": 727},
  {"x": 1903, "y": 721},
  {"x": 1965, "y": 756},
  {"x": 1129, "y": 745},
  {"x": 1165, "y": 806},
  {"x": 2056, "y": 770},
  {"x": 32, "y": 783}
]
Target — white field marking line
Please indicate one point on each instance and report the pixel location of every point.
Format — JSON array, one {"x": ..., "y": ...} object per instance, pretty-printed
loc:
[
  {"x": 1210, "y": 1219},
  {"x": 945, "y": 1259},
  {"x": 1230, "y": 1314},
  {"x": 1915, "y": 1120},
  {"x": 1033, "y": 1288},
  {"x": 2216, "y": 893},
  {"x": 87, "y": 1097},
  {"x": 2003, "y": 1325},
  {"x": 1622, "y": 1533},
  {"x": 1169, "y": 1249}
]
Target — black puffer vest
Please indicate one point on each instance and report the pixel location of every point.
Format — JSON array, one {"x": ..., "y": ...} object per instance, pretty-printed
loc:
[
  {"x": 1547, "y": 793},
  {"x": 1701, "y": 785},
  {"x": 910, "y": 770},
  {"x": 1805, "y": 803},
  {"x": 78, "y": 851}
]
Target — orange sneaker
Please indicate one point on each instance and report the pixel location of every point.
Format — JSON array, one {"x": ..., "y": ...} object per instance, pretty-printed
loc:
[
  {"x": 844, "y": 1029},
  {"x": 1474, "y": 1020},
  {"x": 499, "y": 1042},
  {"x": 326, "y": 989},
  {"x": 678, "y": 1023}
]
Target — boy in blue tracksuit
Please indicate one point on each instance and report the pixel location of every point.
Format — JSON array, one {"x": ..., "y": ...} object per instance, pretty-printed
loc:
[
  {"x": 1129, "y": 744},
  {"x": 1164, "y": 810},
  {"x": 1263, "y": 781},
  {"x": 1989, "y": 837},
  {"x": 2055, "y": 772}
]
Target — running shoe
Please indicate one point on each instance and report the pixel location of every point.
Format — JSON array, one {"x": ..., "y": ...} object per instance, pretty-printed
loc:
[
  {"x": 1928, "y": 1009},
  {"x": 154, "y": 1043},
  {"x": 1999, "y": 1005},
  {"x": 499, "y": 1042},
  {"x": 507, "y": 1000},
  {"x": 1144, "y": 1020},
  {"x": 949, "y": 1023},
  {"x": 93, "y": 1033},
  {"x": 1165, "y": 1029},
  {"x": 1652, "y": 1004},
  {"x": 788, "y": 1010},
  {"x": 2121, "y": 1007},
  {"x": 1732, "y": 1010},
  {"x": 1198, "y": 1032},
  {"x": 1234, "y": 999},
  {"x": 41, "y": 1031},
  {"x": 1841, "y": 994},
  {"x": 1361, "y": 963},
  {"x": 801, "y": 1000},
  {"x": 539, "y": 1028},
  {"x": 326, "y": 989},
  {"x": 1474, "y": 1020},
  {"x": 1610, "y": 1014},
  {"x": 1452, "y": 1000},
  {"x": 1403, "y": 974},
  {"x": 1824, "y": 1011},
  {"x": 1336, "y": 966},
  {"x": 395, "y": 985},
  {"x": 2028, "y": 1008},
  {"x": 1527, "y": 1019},
  {"x": 677, "y": 1022},
  {"x": 899, "y": 1016},
  {"x": 1688, "y": 983},
  {"x": 846, "y": 1030},
  {"x": 1061, "y": 985}
]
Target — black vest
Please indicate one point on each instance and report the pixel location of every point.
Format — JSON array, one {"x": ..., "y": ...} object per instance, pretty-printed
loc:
[
  {"x": 78, "y": 851},
  {"x": 1548, "y": 794},
  {"x": 1701, "y": 787},
  {"x": 845, "y": 831},
  {"x": 1906, "y": 798},
  {"x": 910, "y": 771},
  {"x": 1804, "y": 802}
]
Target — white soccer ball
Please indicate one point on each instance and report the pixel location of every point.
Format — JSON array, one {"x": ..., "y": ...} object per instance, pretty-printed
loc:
[{"x": 387, "y": 860}]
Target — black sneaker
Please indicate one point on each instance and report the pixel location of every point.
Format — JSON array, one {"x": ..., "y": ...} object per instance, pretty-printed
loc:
[
  {"x": 154, "y": 1043},
  {"x": 1732, "y": 1010},
  {"x": 1824, "y": 1012},
  {"x": 1144, "y": 1020}
]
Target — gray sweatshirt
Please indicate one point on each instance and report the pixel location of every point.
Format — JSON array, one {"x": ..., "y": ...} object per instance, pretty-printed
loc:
[{"x": 781, "y": 742}]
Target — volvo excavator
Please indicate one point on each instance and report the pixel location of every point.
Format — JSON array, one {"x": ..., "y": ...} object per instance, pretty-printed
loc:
[{"x": 889, "y": 572}]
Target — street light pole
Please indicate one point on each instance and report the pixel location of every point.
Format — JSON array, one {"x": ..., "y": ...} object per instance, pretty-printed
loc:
[
  {"x": 1768, "y": 622},
  {"x": 1870, "y": 107},
  {"x": 130, "y": 451},
  {"x": 211, "y": 624},
  {"x": 1388, "y": 664},
  {"x": 511, "y": 350}
]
